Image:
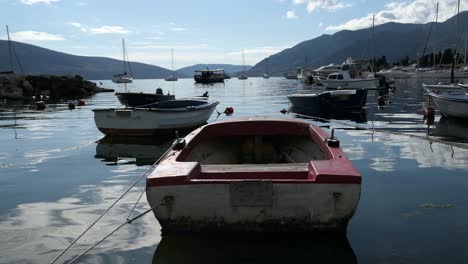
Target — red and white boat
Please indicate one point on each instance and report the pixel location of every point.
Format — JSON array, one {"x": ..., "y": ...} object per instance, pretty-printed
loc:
[{"x": 255, "y": 174}]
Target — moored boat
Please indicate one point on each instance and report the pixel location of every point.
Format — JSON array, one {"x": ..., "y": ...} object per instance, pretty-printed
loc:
[
  {"x": 440, "y": 85},
  {"x": 451, "y": 104},
  {"x": 123, "y": 77},
  {"x": 349, "y": 77},
  {"x": 255, "y": 175},
  {"x": 134, "y": 99},
  {"x": 158, "y": 118},
  {"x": 328, "y": 101},
  {"x": 210, "y": 76},
  {"x": 464, "y": 87}
]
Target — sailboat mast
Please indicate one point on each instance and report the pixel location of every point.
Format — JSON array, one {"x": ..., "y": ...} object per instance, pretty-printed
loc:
[
  {"x": 172, "y": 60},
  {"x": 373, "y": 26},
  {"x": 9, "y": 48},
  {"x": 437, "y": 12},
  {"x": 243, "y": 64},
  {"x": 465, "y": 51},
  {"x": 123, "y": 56}
]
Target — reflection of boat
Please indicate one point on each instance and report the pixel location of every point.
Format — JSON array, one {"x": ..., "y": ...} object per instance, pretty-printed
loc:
[
  {"x": 154, "y": 119},
  {"x": 451, "y": 104},
  {"x": 349, "y": 78},
  {"x": 267, "y": 249},
  {"x": 123, "y": 77},
  {"x": 451, "y": 128},
  {"x": 145, "y": 150},
  {"x": 209, "y": 76},
  {"x": 330, "y": 100},
  {"x": 255, "y": 175},
  {"x": 137, "y": 99}
]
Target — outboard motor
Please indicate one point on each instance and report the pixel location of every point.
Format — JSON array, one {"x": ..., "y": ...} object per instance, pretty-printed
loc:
[{"x": 159, "y": 91}]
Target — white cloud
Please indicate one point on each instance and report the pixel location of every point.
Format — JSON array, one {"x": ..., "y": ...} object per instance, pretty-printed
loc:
[
  {"x": 109, "y": 30},
  {"x": 290, "y": 15},
  {"x": 329, "y": 5},
  {"x": 32, "y": 2},
  {"x": 78, "y": 25},
  {"x": 30, "y": 35},
  {"x": 416, "y": 11},
  {"x": 178, "y": 29}
]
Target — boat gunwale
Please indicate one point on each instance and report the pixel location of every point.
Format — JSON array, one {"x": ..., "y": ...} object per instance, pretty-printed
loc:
[{"x": 154, "y": 109}]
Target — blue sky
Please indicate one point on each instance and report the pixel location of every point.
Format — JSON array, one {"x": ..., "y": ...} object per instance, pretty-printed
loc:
[{"x": 204, "y": 31}]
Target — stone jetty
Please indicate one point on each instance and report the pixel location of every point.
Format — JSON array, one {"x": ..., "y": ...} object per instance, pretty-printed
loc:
[{"x": 25, "y": 87}]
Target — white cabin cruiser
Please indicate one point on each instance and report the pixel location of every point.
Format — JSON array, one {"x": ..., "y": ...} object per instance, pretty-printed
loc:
[{"x": 349, "y": 78}]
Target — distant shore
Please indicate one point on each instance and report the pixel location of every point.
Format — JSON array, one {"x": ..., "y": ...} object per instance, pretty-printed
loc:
[{"x": 55, "y": 87}]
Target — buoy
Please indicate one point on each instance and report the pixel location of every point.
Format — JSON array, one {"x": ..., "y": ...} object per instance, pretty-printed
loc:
[
  {"x": 229, "y": 111},
  {"x": 381, "y": 101},
  {"x": 429, "y": 121},
  {"x": 81, "y": 102},
  {"x": 429, "y": 112},
  {"x": 283, "y": 111},
  {"x": 71, "y": 105}
]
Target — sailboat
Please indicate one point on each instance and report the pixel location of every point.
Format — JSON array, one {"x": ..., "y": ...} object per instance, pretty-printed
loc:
[
  {"x": 123, "y": 77},
  {"x": 265, "y": 75},
  {"x": 172, "y": 77},
  {"x": 243, "y": 76},
  {"x": 10, "y": 54}
]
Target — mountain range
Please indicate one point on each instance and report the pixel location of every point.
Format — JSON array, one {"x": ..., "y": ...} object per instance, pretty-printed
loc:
[{"x": 393, "y": 40}]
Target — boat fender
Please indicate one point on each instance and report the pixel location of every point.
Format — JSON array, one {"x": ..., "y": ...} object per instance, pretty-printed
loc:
[
  {"x": 429, "y": 115},
  {"x": 283, "y": 111},
  {"x": 81, "y": 102},
  {"x": 71, "y": 105},
  {"x": 229, "y": 110},
  {"x": 381, "y": 101}
]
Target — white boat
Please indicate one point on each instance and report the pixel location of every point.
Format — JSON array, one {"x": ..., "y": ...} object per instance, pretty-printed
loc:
[
  {"x": 399, "y": 72},
  {"x": 255, "y": 174},
  {"x": 323, "y": 71},
  {"x": 448, "y": 86},
  {"x": 157, "y": 118},
  {"x": 349, "y": 78},
  {"x": 442, "y": 74},
  {"x": 243, "y": 76},
  {"x": 123, "y": 77},
  {"x": 173, "y": 77},
  {"x": 450, "y": 104},
  {"x": 464, "y": 87}
]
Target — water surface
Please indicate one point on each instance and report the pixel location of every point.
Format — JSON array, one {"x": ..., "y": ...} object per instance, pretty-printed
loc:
[{"x": 57, "y": 174}]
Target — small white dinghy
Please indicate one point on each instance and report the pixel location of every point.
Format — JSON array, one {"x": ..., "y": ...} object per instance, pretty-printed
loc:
[
  {"x": 450, "y": 104},
  {"x": 155, "y": 118}
]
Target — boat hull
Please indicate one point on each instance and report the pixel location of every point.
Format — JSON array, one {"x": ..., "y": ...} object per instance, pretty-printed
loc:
[
  {"x": 328, "y": 101},
  {"x": 140, "y": 99},
  {"x": 199, "y": 79},
  {"x": 289, "y": 208},
  {"x": 122, "y": 79},
  {"x": 449, "y": 105},
  {"x": 351, "y": 84},
  {"x": 146, "y": 122}
]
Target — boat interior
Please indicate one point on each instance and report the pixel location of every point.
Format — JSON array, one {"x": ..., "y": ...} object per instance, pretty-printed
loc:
[
  {"x": 177, "y": 104},
  {"x": 256, "y": 149}
]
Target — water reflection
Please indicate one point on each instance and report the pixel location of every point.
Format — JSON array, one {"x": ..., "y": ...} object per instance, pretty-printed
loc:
[
  {"x": 144, "y": 150},
  {"x": 253, "y": 249},
  {"x": 357, "y": 116},
  {"x": 453, "y": 129}
]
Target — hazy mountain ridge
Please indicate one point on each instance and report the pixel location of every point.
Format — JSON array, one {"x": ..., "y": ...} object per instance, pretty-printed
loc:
[
  {"x": 37, "y": 60},
  {"x": 393, "y": 40}
]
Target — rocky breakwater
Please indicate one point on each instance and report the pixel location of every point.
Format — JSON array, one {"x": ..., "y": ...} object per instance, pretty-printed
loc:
[{"x": 25, "y": 87}]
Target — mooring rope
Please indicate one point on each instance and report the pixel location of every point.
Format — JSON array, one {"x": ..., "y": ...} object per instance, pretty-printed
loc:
[
  {"x": 386, "y": 131},
  {"x": 117, "y": 200},
  {"x": 128, "y": 221}
]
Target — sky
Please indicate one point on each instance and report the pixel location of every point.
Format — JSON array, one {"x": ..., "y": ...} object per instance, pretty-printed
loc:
[{"x": 203, "y": 31}]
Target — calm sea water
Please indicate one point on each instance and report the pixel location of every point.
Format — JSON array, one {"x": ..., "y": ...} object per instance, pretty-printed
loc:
[{"x": 56, "y": 178}]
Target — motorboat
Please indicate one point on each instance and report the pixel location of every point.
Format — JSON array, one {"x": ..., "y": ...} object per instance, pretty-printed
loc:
[
  {"x": 210, "y": 76},
  {"x": 255, "y": 174},
  {"x": 134, "y": 99},
  {"x": 349, "y": 77},
  {"x": 454, "y": 104},
  {"x": 328, "y": 101},
  {"x": 158, "y": 118}
]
